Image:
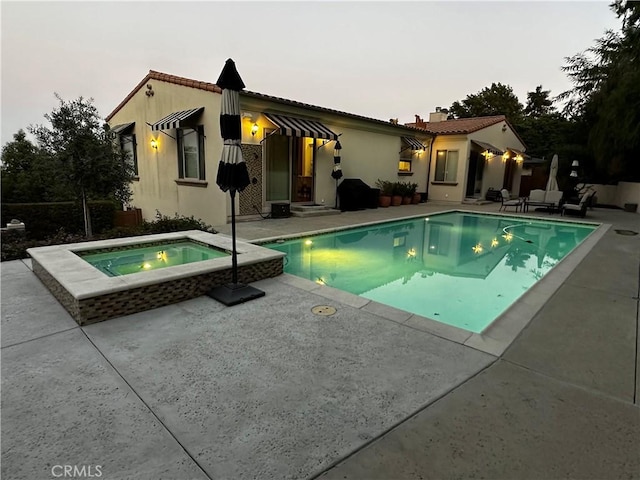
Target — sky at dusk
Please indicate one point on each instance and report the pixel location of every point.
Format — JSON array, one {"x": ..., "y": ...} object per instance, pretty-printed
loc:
[{"x": 378, "y": 59}]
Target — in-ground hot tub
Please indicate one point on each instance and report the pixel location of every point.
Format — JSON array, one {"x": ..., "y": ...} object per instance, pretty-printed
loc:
[{"x": 93, "y": 293}]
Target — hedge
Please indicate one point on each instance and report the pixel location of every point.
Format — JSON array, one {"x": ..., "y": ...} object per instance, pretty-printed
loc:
[{"x": 44, "y": 220}]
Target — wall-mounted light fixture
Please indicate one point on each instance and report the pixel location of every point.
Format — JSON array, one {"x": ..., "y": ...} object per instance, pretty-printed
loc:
[
  {"x": 254, "y": 129},
  {"x": 154, "y": 143},
  {"x": 504, "y": 128},
  {"x": 505, "y": 157},
  {"x": 574, "y": 168},
  {"x": 487, "y": 155},
  {"x": 519, "y": 158}
]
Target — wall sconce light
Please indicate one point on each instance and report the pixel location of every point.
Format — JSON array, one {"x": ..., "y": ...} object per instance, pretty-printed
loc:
[
  {"x": 519, "y": 158},
  {"x": 574, "y": 168},
  {"x": 504, "y": 128},
  {"x": 154, "y": 143},
  {"x": 505, "y": 157},
  {"x": 254, "y": 129}
]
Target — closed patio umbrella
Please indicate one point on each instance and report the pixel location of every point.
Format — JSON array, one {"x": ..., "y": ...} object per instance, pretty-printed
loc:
[
  {"x": 552, "y": 183},
  {"x": 233, "y": 177}
]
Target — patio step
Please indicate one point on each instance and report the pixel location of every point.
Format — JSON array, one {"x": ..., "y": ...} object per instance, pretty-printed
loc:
[
  {"x": 476, "y": 201},
  {"x": 312, "y": 210}
]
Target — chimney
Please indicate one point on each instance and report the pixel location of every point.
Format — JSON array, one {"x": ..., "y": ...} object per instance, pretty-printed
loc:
[{"x": 438, "y": 116}]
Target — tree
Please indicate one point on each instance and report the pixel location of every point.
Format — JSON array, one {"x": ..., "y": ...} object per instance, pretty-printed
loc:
[
  {"x": 24, "y": 176},
  {"x": 539, "y": 103},
  {"x": 606, "y": 95},
  {"x": 87, "y": 160},
  {"x": 498, "y": 99}
]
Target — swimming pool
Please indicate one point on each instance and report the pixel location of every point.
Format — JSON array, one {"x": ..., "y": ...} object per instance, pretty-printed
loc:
[
  {"x": 140, "y": 258},
  {"x": 462, "y": 269}
]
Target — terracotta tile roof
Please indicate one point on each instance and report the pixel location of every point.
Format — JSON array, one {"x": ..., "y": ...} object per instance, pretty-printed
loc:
[
  {"x": 212, "y": 87},
  {"x": 459, "y": 125}
]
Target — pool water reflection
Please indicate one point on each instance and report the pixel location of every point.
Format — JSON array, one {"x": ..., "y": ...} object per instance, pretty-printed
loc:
[{"x": 458, "y": 268}]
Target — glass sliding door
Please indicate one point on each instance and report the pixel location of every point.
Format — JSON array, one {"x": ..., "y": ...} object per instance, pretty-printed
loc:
[
  {"x": 278, "y": 173},
  {"x": 302, "y": 172}
]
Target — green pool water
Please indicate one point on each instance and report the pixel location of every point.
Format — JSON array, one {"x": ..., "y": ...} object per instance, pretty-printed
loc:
[
  {"x": 142, "y": 258},
  {"x": 458, "y": 268}
]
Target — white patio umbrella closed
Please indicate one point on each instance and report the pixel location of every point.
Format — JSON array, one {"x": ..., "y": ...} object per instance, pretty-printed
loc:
[
  {"x": 233, "y": 177},
  {"x": 552, "y": 183}
]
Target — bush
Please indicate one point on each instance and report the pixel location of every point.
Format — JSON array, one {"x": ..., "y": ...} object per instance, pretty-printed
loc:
[
  {"x": 15, "y": 243},
  {"x": 164, "y": 224},
  {"x": 43, "y": 220}
]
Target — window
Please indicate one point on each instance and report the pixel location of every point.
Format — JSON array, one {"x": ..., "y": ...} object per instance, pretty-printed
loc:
[
  {"x": 128, "y": 147},
  {"x": 404, "y": 165},
  {"x": 446, "y": 166},
  {"x": 191, "y": 153}
]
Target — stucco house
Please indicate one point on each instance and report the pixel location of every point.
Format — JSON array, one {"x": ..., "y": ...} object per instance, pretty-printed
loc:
[
  {"x": 170, "y": 127},
  {"x": 471, "y": 155}
]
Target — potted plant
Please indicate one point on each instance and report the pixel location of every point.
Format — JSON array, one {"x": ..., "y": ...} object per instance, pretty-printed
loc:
[
  {"x": 397, "y": 191},
  {"x": 415, "y": 196},
  {"x": 386, "y": 189},
  {"x": 407, "y": 194}
]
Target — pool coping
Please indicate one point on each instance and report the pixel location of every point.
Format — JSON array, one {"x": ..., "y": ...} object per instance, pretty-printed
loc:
[{"x": 500, "y": 333}]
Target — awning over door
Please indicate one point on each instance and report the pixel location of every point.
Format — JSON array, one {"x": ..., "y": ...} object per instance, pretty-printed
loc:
[
  {"x": 298, "y": 127},
  {"x": 487, "y": 147},
  {"x": 517, "y": 152},
  {"x": 122, "y": 129},
  {"x": 413, "y": 143},
  {"x": 176, "y": 119}
]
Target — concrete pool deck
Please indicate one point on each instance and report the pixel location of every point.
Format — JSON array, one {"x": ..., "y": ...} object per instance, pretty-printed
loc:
[{"x": 267, "y": 389}]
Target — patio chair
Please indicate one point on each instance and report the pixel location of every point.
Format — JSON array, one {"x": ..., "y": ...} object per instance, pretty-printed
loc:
[
  {"x": 535, "y": 198},
  {"x": 553, "y": 199},
  {"x": 508, "y": 201},
  {"x": 581, "y": 208}
]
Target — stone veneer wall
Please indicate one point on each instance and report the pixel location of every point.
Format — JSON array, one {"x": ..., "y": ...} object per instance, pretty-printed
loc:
[
  {"x": 125, "y": 302},
  {"x": 252, "y": 195}
]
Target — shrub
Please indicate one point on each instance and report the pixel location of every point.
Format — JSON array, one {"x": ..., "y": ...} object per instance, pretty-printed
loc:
[
  {"x": 15, "y": 243},
  {"x": 165, "y": 224},
  {"x": 43, "y": 220}
]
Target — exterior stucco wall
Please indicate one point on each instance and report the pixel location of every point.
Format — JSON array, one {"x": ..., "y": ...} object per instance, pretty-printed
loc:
[
  {"x": 450, "y": 192},
  {"x": 494, "y": 174},
  {"x": 493, "y": 171},
  {"x": 156, "y": 188},
  {"x": 369, "y": 151}
]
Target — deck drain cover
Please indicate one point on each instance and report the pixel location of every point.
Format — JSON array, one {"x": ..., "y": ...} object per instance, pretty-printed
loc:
[
  {"x": 626, "y": 232},
  {"x": 324, "y": 310}
]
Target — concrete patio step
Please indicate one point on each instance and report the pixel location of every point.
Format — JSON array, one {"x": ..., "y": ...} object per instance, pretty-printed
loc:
[
  {"x": 476, "y": 201},
  {"x": 312, "y": 210}
]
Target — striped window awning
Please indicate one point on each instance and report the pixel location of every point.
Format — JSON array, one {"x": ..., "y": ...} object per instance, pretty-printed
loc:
[
  {"x": 517, "y": 152},
  {"x": 487, "y": 147},
  {"x": 123, "y": 128},
  {"x": 298, "y": 127},
  {"x": 413, "y": 143},
  {"x": 176, "y": 119}
]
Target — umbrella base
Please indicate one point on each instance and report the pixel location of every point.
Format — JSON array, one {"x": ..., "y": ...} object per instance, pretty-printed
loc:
[{"x": 234, "y": 293}]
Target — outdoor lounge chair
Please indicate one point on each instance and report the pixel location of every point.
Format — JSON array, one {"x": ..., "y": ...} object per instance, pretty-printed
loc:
[
  {"x": 541, "y": 198},
  {"x": 581, "y": 208},
  {"x": 508, "y": 201}
]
